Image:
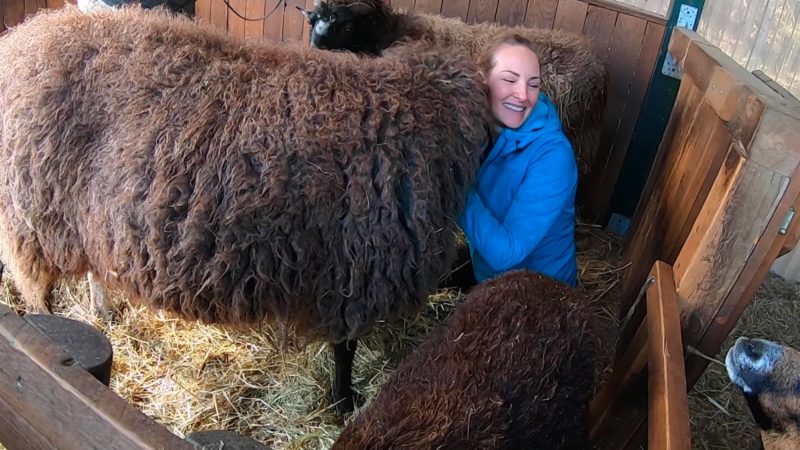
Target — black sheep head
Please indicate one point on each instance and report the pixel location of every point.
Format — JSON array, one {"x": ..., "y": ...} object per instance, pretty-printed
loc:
[
  {"x": 769, "y": 376},
  {"x": 355, "y": 27}
]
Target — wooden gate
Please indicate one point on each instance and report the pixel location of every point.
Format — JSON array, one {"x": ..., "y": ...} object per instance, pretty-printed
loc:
[{"x": 719, "y": 208}]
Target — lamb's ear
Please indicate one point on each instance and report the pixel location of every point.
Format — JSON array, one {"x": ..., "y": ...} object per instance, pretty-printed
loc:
[
  {"x": 307, "y": 14},
  {"x": 360, "y": 8}
]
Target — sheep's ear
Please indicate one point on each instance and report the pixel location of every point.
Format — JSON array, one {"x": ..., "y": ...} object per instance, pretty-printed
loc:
[
  {"x": 360, "y": 8},
  {"x": 304, "y": 12}
]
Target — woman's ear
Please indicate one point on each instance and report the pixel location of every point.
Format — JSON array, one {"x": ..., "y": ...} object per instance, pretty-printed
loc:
[{"x": 483, "y": 76}]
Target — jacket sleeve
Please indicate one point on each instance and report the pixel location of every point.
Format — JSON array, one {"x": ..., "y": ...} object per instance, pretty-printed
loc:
[{"x": 546, "y": 190}]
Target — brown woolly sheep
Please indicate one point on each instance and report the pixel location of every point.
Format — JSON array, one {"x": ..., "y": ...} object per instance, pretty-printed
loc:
[
  {"x": 232, "y": 183},
  {"x": 513, "y": 367},
  {"x": 768, "y": 374},
  {"x": 573, "y": 77}
]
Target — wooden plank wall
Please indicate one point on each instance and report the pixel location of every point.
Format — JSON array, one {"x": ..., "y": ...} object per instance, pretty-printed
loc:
[
  {"x": 13, "y": 12},
  {"x": 758, "y": 34},
  {"x": 277, "y": 20},
  {"x": 660, "y": 7},
  {"x": 628, "y": 39}
]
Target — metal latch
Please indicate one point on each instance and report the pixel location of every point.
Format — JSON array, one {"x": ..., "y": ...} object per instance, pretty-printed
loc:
[{"x": 787, "y": 220}]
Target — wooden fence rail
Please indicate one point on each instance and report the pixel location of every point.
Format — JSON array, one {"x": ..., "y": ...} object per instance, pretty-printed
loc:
[{"x": 46, "y": 402}]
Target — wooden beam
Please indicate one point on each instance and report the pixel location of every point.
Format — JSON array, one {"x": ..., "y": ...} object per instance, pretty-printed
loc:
[
  {"x": 621, "y": 402},
  {"x": 668, "y": 411},
  {"x": 48, "y": 403},
  {"x": 620, "y": 409}
]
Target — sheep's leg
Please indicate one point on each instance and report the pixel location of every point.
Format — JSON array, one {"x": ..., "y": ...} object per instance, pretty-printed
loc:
[
  {"x": 343, "y": 354},
  {"x": 97, "y": 297},
  {"x": 36, "y": 289},
  {"x": 462, "y": 275}
]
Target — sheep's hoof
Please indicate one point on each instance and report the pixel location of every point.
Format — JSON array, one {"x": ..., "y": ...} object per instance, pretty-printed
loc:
[
  {"x": 101, "y": 307},
  {"x": 103, "y": 313},
  {"x": 344, "y": 398},
  {"x": 345, "y": 403}
]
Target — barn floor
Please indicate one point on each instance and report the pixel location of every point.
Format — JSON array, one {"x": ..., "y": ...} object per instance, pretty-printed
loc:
[{"x": 265, "y": 384}]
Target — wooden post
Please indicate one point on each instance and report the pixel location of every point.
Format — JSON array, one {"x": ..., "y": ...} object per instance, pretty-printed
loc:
[
  {"x": 619, "y": 409},
  {"x": 668, "y": 411},
  {"x": 87, "y": 345},
  {"x": 46, "y": 402}
]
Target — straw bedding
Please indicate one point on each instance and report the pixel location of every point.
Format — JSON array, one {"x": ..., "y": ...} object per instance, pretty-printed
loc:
[{"x": 265, "y": 384}]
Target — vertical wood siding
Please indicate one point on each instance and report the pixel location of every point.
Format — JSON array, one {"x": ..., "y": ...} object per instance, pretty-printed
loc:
[{"x": 758, "y": 34}]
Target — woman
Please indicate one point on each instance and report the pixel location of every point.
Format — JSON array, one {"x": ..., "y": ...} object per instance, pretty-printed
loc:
[{"x": 520, "y": 213}]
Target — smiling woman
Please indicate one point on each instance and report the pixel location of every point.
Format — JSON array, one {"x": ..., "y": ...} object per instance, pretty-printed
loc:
[
  {"x": 513, "y": 83},
  {"x": 520, "y": 213}
]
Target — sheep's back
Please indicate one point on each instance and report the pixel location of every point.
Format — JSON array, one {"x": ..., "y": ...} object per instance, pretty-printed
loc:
[
  {"x": 230, "y": 182},
  {"x": 512, "y": 366},
  {"x": 573, "y": 76}
]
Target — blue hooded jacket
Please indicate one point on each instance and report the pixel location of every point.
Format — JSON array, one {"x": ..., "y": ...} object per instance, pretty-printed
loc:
[{"x": 520, "y": 213}]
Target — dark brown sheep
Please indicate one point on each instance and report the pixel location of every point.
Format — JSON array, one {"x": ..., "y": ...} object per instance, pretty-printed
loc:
[
  {"x": 573, "y": 76},
  {"x": 232, "y": 183},
  {"x": 768, "y": 374},
  {"x": 512, "y": 368}
]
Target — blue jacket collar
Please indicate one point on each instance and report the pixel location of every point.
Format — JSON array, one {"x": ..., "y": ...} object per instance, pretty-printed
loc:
[{"x": 544, "y": 117}]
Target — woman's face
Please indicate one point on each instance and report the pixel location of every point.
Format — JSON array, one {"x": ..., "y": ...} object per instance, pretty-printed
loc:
[{"x": 513, "y": 84}]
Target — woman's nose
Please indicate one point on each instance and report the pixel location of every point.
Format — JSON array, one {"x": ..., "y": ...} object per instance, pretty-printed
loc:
[{"x": 520, "y": 91}]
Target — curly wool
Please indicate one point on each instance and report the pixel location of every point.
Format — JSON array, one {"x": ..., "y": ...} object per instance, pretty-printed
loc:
[
  {"x": 573, "y": 77},
  {"x": 231, "y": 182},
  {"x": 513, "y": 367}
]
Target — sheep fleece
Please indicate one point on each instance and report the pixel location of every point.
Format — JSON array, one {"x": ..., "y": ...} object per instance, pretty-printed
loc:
[
  {"x": 574, "y": 77},
  {"x": 227, "y": 181},
  {"x": 512, "y": 368}
]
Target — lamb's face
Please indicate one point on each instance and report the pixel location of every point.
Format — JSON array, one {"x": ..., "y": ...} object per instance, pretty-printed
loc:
[
  {"x": 769, "y": 376},
  {"x": 340, "y": 27}
]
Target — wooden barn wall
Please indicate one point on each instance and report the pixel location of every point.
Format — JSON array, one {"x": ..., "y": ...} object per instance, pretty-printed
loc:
[
  {"x": 628, "y": 39},
  {"x": 12, "y": 12},
  {"x": 759, "y": 35},
  {"x": 660, "y": 7}
]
